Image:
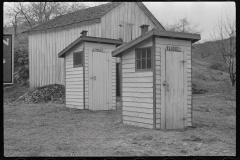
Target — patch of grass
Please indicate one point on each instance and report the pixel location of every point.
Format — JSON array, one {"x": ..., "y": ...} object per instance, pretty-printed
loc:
[
  {"x": 14, "y": 91},
  {"x": 53, "y": 130}
]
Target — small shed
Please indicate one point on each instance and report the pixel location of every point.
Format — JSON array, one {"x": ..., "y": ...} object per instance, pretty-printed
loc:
[
  {"x": 156, "y": 79},
  {"x": 90, "y": 73}
]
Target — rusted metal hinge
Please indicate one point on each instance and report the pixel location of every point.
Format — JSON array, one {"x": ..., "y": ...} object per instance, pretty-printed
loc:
[{"x": 183, "y": 61}]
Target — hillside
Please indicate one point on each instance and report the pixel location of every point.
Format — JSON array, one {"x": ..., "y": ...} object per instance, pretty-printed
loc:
[{"x": 204, "y": 76}]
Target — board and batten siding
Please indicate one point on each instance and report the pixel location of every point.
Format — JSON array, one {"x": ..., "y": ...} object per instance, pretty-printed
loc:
[
  {"x": 137, "y": 90},
  {"x": 44, "y": 65},
  {"x": 130, "y": 16},
  {"x": 88, "y": 47},
  {"x": 74, "y": 80},
  {"x": 185, "y": 46}
]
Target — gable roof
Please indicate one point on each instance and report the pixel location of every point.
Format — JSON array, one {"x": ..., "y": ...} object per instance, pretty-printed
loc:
[
  {"x": 159, "y": 33},
  {"x": 150, "y": 15},
  {"x": 78, "y": 16},
  {"x": 88, "y": 14},
  {"x": 89, "y": 39}
]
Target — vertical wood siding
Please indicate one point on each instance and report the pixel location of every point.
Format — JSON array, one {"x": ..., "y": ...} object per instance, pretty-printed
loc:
[
  {"x": 126, "y": 14},
  {"x": 161, "y": 44},
  {"x": 137, "y": 91},
  {"x": 45, "y": 66},
  {"x": 88, "y": 49},
  {"x": 86, "y": 58},
  {"x": 74, "y": 81}
]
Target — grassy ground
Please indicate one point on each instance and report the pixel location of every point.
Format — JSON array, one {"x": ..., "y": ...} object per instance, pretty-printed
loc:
[{"x": 53, "y": 130}]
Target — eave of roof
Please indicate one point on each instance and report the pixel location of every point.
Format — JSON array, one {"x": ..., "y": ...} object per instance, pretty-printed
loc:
[
  {"x": 89, "y": 39},
  {"x": 158, "y": 33},
  {"x": 87, "y": 14}
]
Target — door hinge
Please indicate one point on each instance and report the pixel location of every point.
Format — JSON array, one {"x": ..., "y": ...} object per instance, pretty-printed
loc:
[
  {"x": 183, "y": 61},
  {"x": 184, "y": 119}
]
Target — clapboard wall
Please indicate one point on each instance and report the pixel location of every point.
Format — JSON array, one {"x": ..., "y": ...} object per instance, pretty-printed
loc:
[
  {"x": 137, "y": 90},
  {"x": 44, "y": 45},
  {"x": 158, "y": 85},
  {"x": 74, "y": 80},
  {"x": 185, "y": 46},
  {"x": 88, "y": 47}
]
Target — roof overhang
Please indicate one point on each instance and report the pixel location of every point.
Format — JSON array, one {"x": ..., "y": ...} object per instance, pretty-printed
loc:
[
  {"x": 157, "y": 33},
  {"x": 82, "y": 23},
  {"x": 90, "y": 39}
]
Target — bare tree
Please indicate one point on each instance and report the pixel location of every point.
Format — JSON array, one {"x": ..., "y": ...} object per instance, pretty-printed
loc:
[
  {"x": 14, "y": 17},
  {"x": 40, "y": 12},
  {"x": 184, "y": 25},
  {"x": 224, "y": 38}
]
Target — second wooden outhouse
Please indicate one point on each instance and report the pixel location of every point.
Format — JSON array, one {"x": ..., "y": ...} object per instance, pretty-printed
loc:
[
  {"x": 156, "y": 79},
  {"x": 90, "y": 73}
]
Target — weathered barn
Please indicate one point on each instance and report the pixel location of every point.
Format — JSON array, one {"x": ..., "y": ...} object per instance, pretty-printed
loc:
[
  {"x": 90, "y": 73},
  {"x": 112, "y": 20},
  {"x": 156, "y": 79}
]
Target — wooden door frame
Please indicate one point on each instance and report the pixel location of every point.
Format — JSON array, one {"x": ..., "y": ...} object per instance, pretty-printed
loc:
[
  {"x": 163, "y": 95},
  {"x": 91, "y": 68},
  {"x": 163, "y": 91}
]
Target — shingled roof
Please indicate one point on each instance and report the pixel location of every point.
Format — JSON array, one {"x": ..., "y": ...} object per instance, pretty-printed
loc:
[{"x": 78, "y": 16}]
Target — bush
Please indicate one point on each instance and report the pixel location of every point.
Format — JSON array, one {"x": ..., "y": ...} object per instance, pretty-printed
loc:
[
  {"x": 218, "y": 66},
  {"x": 195, "y": 90}
]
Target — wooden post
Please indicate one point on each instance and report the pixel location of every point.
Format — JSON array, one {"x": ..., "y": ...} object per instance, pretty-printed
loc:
[
  {"x": 84, "y": 75},
  {"x": 121, "y": 88},
  {"x": 154, "y": 83},
  {"x": 65, "y": 79},
  {"x": 163, "y": 75},
  {"x": 191, "y": 88}
]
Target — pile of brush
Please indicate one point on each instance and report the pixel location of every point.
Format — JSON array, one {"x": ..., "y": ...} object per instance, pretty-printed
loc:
[{"x": 54, "y": 93}]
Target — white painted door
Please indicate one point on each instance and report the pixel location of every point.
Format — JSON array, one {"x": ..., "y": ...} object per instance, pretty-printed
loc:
[
  {"x": 100, "y": 80},
  {"x": 175, "y": 90}
]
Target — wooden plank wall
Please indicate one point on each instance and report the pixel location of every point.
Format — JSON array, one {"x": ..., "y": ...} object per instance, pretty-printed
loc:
[
  {"x": 44, "y": 65},
  {"x": 114, "y": 94},
  {"x": 161, "y": 44},
  {"x": 137, "y": 91},
  {"x": 74, "y": 81},
  {"x": 88, "y": 49},
  {"x": 158, "y": 86},
  {"x": 125, "y": 14}
]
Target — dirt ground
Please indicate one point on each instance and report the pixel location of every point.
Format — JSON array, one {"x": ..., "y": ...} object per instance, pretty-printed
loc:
[{"x": 53, "y": 130}]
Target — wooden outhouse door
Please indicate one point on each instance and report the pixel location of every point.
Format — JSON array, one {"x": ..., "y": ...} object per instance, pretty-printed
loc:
[
  {"x": 175, "y": 90},
  {"x": 100, "y": 80}
]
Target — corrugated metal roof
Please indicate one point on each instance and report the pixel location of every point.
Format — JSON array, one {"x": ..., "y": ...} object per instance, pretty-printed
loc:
[{"x": 78, "y": 16}]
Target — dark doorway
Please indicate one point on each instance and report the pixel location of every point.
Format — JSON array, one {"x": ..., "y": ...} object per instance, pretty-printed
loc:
[{"x": 118, "y": 77}]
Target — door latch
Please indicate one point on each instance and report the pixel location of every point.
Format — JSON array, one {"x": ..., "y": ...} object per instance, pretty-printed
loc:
[
  {"x": 165, "y": 84},
  {"x": 183, "y": 61},
  {"x": 93, "y": 78}
]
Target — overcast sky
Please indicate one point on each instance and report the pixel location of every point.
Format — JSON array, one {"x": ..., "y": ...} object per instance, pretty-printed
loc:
[{"x": 203, "y": 13}]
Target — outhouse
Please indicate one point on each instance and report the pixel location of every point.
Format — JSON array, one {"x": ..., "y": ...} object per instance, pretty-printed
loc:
[
  {"x": 156, "y": 79},
  {"x": 90, "y": 73}
]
